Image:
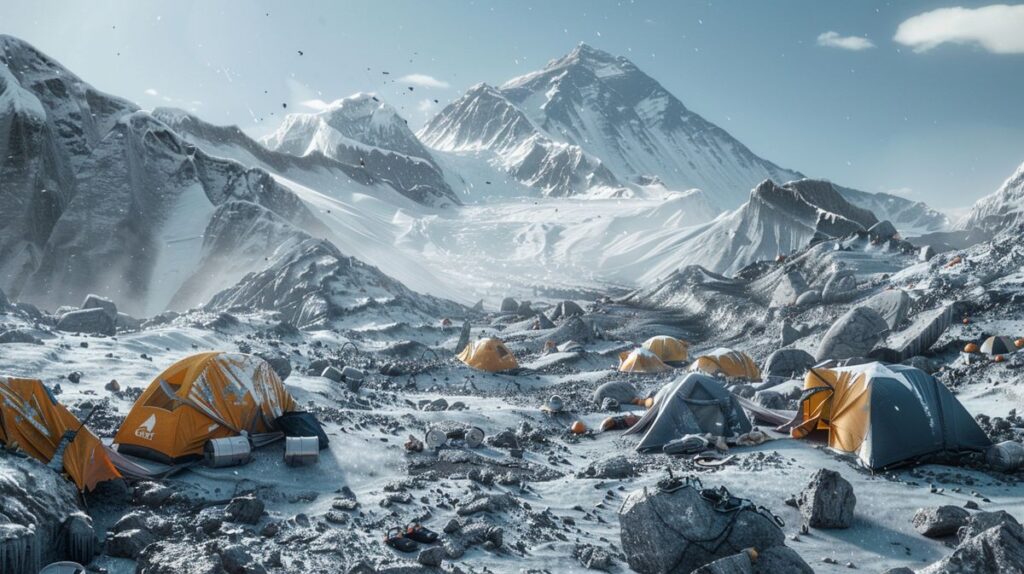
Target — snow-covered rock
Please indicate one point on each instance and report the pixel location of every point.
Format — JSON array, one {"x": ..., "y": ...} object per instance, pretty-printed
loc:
[
  {"x": 1001, "y": 210},
  {"x": 362, "y": 130}
]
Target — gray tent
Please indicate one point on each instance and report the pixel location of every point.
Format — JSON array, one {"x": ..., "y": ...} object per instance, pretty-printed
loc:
[
  {"x": 998, "y": 345},
  {"x": 695, "y": 404}
]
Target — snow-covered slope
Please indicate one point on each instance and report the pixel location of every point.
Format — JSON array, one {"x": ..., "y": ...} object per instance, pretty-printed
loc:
[
  {"x": 1001, "y": 210},
  {"x": 614, "y": 112},
  {"x": 364, "y": 131},
  {"x": 775, "y": 220}
]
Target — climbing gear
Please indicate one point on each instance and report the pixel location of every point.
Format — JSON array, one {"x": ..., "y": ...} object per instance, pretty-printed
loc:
[
  {"x": 396, "y": 539},
  {"x": 420, "y": 533}
]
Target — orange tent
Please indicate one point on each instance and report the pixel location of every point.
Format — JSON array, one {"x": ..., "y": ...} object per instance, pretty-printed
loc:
[
  {"x": 33, "y": 421},
  {"x": 641, "y": 361},
  {"x": 668, "y": 349},
  {"x": 488, "y": 354},
  {"x": 729, "y": 363},
  {"x": 199, "y": 398}
]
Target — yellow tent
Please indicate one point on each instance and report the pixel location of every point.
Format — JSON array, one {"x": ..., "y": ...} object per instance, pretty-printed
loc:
[
  {"x": 641, "y": 361},
  {"x": 199, "y": 398},
  {"x": 885, "y": 414},
  {"x": 32, "y": 420},
  {"x": 729, "y": 363},
  {"x": 668, "y": 349},
  {"x": 489, "y": 355}
]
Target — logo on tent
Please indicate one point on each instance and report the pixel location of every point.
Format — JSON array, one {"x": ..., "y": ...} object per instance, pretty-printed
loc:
[{"x": 145, "y": 430}]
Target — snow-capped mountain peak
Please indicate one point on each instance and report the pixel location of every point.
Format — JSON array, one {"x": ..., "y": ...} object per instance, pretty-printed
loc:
[{"x": 616, "y": 115}]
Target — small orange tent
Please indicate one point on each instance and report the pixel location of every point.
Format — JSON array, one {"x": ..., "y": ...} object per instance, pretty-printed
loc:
[
  {"x": 729, "y": 363},
  {"x": 489, "y": 354},
  {"x": 668, "y": 349},
  {"x": 199, "y": 398},
  {"x": 641, "y": 361},
  {"x": 33, "y": 421}
]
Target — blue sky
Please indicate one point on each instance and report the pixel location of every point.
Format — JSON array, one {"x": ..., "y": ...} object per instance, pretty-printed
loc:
[{"x": 817, "y": 86}]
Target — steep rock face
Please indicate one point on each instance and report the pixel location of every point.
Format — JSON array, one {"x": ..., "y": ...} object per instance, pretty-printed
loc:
[
  {"x": 363, "y": 131},
  {"x": 483, "y": 120},
  {"x": 134, "y": 228},
  {"x": 611, "y": 109},
  {"x": 242, "y": 237},
  {"x": 1002, "y": 210},
  {"x": 315, "y": 285},
  {"x": 50, "y": 120}
]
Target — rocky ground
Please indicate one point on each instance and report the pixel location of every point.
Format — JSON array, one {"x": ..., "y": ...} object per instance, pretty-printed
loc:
[{"x": 536, "y": 497}]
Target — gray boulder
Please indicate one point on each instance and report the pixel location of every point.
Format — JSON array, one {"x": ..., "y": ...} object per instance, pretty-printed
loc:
[
  {"x": 998, "y": 549},
  {"x": 543, "y": 322},
  {"x": 129, "y": 543},
  {"x": 840, "y": 286},
  {"x": 788, "y": 362},
  {"x": 808, "y": 298},
  {"x": 278, "y": 362},
  {"x": 827, "y": 501},
  {"x": 852, "y": 335},
  {"x": 244, "y": 510},
  {"x": 5, "y": 304},
  {"x": 97, "y": 302},
  {"x": 892, "y": 305},
  {"x": 432, "y": 556},
  {"x": 612, "y": 467},
  {"x": 575, "y": 329},
  {"x": 677, "y": 532},
  {"x": 926, "y": 253},
  {"x": 621, "y": 391},
  {"x": 18, "y": 336},
  {"x": 94, "y": 321},
  {"x": 566, "y": 309},
  {"x": 770, "y": 400},
  {"x": 940, "y": 521},
  {"x": 982, "y": 521},
  {"x": 883, "y": 231},
  {"x": 792, "y": 333},
  {"x": 791, "y": 286}
]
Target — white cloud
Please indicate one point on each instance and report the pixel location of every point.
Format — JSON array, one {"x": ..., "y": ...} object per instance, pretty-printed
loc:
[
  {"x": 424, "y": 81},
  {"x": 152, "y": 92},
  {"x": 998, "y": 28},
  {"x": 832, "y": 39}
]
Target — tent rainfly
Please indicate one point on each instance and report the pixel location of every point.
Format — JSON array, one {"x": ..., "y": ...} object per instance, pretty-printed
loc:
[
  {"x": 200, "y": 398},
  {"x": 694, "y": 404},
  {"x": 885, "y": 414}
]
